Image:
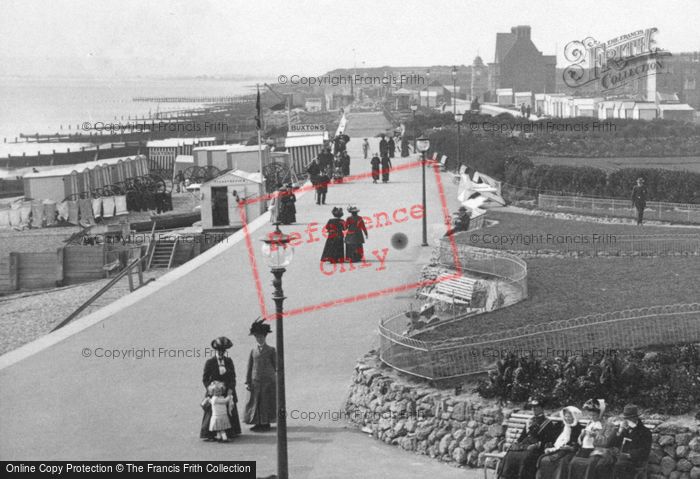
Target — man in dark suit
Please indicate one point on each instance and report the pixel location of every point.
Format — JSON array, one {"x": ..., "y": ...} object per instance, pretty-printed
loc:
[
  {"x": 634, "y": 442},
  {"x": 639, "y": 199},
  {"x": 383, "y": 147}
]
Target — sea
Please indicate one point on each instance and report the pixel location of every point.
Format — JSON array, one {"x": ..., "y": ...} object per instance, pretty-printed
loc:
[{"x": 50, "y": 104}]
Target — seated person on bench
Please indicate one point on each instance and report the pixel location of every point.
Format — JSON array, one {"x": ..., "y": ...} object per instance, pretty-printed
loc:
[
  {"x": 461, "y": 223},
  {"x": 633, "y": 440},
  {"x": 520, "y": 462}
]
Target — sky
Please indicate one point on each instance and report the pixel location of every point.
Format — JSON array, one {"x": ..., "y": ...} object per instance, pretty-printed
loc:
[{"x": 265, "y": 38}]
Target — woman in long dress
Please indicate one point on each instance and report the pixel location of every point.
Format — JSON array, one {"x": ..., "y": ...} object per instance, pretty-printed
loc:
[
  {"x": 355, "y": 234},
  {"x": 220, "y": 368},
  {"x": 375, "y": 162},
  {"x": 334, "y": 249},
  {"x": 554, "y": 464},
  {"x": 594, "y": 460},
  {"x": 261, "y": 409}
]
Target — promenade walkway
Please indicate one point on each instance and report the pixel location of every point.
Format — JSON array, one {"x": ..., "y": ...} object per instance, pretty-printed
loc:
[{"x": 58, "y": 404}]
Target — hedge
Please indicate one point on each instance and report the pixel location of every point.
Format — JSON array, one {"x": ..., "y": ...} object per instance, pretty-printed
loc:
[
  {"x": 667, "y": 380},
  {"x": 662, "y": 185}
]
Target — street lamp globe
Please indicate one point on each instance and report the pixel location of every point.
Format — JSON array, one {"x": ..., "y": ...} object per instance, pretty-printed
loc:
[
  {"x": 422, "y": 144},
  {"x": 459, "y": 117},
  {"x": 277, "y": 251},
  {"x": 454, "y": 71},
  {"x": 414, "y": 107}
]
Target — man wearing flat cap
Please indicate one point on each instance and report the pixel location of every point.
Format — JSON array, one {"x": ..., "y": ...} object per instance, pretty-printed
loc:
[{"x": 633, "y": 439}]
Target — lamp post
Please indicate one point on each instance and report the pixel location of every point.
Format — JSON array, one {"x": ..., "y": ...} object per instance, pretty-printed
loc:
[
  {"x": 427, "y": 89},
  {"x": 414, "y": 107},
  {"x": 458, "y": 119},
  {"x": 454, "y": 90},
  {"x": 278, "y": 254},
  {"x": 423, "y": 144}
]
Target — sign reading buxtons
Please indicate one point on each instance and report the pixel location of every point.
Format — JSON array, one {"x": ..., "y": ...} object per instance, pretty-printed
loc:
[
  {"x": 308, "y": 127},
  {"x": 378, "y": 251}
]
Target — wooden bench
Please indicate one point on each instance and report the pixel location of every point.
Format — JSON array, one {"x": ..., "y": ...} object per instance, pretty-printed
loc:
[
  {"x": 515, "y": 425},
  {"x": 453, "y": 290}
]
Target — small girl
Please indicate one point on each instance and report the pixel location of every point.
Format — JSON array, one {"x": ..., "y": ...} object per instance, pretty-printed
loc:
[{"x": 220, "y": 406}]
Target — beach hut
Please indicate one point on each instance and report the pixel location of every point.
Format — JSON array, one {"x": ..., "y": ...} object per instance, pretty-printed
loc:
[
  {"x": 223, "y": 198},
  {"x": 232, "y": 157},
  {"x": 303, "y": 149},
  {"x": 59, "y": 183}
]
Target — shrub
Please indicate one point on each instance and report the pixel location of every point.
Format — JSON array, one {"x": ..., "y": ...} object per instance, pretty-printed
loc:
[{"x": 666, "y": 381}]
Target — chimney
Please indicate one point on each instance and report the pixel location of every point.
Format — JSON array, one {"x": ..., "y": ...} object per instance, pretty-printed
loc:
[{"x": 521, "y": 31}]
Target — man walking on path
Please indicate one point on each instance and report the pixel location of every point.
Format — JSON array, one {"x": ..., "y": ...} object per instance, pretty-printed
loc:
[
  {"x": 383, "y": 147},
  {"x": 639, "y": 199},
  {"x": 392, "y": 147},
  {"x": 365, "y": 148}
]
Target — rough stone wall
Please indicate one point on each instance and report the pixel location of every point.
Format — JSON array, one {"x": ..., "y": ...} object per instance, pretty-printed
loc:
[{"x": 461, "y": 429}]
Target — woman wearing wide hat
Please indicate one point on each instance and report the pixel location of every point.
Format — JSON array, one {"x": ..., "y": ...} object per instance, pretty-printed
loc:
[
  {"x": 261, "y": 409},
  {"x": 334, "y": 249},
  {"x": 220, "y": 368},
  {"x": 355, "y": 234}
]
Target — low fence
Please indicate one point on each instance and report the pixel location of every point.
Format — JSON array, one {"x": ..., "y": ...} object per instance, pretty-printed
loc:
[
  {"x": 594, "y": 244},
  {"x": 492, "y": 263},
  {"x": 655, "y": 210},
  {"x": 633, "y": 328}
]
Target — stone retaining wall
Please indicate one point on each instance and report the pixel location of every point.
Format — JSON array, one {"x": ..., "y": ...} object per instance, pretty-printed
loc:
[{"x": 460, "y": 429}]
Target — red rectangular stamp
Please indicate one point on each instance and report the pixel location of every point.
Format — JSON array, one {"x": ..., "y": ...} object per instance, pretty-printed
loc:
[{"x": 353, "y": 257}]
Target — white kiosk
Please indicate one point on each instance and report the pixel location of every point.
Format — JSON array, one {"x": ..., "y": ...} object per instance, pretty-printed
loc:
[{"x": 222, "y": 196}]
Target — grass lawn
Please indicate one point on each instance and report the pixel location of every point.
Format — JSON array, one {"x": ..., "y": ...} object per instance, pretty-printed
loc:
[
  {"x": 511, "y": 224},
  {"x": 564, "y": 288},
  {"x": 689, "y": 163},
  {"x": 568, "y": 288}
]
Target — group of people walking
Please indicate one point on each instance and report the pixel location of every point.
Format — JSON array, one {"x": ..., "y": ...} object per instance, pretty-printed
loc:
[
  {"x": 565, "y": 449},
  {"x": 345, "y": 239},
  {"x": 220, "y": 403}
]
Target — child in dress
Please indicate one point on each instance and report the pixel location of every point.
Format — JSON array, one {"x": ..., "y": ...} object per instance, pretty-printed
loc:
[{"x": 220, "y": 406}]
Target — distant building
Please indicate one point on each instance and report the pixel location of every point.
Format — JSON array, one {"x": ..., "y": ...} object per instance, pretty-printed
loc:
[
  {"x": 313, "y": 104},
  {"x": 681, "y": 76},
  {"x": 519, "y": 65},
  {"x": 479, "y": 80}
]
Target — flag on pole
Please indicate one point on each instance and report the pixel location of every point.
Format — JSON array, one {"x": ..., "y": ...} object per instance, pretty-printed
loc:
[{"x": 258, "y": 111}]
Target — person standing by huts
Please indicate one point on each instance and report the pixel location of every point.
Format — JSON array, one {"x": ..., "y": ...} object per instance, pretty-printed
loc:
[
  {"x": 288, "y": 211},
  {"x": 376, "y": 163},
  {"x": 220, "y": 368},
  {"x": 334, "y": 249},
  {"x": 355, "y": 234},
  {"x": 261, "y": 409}
]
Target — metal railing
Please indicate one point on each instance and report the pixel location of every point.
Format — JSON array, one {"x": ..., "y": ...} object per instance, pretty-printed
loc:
[
  {"x": 655, "y": 210},
  {"x": 628, "y": 329}
]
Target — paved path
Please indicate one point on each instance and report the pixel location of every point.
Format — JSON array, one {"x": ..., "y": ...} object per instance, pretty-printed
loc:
[{"x": 59, "y": 405}]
